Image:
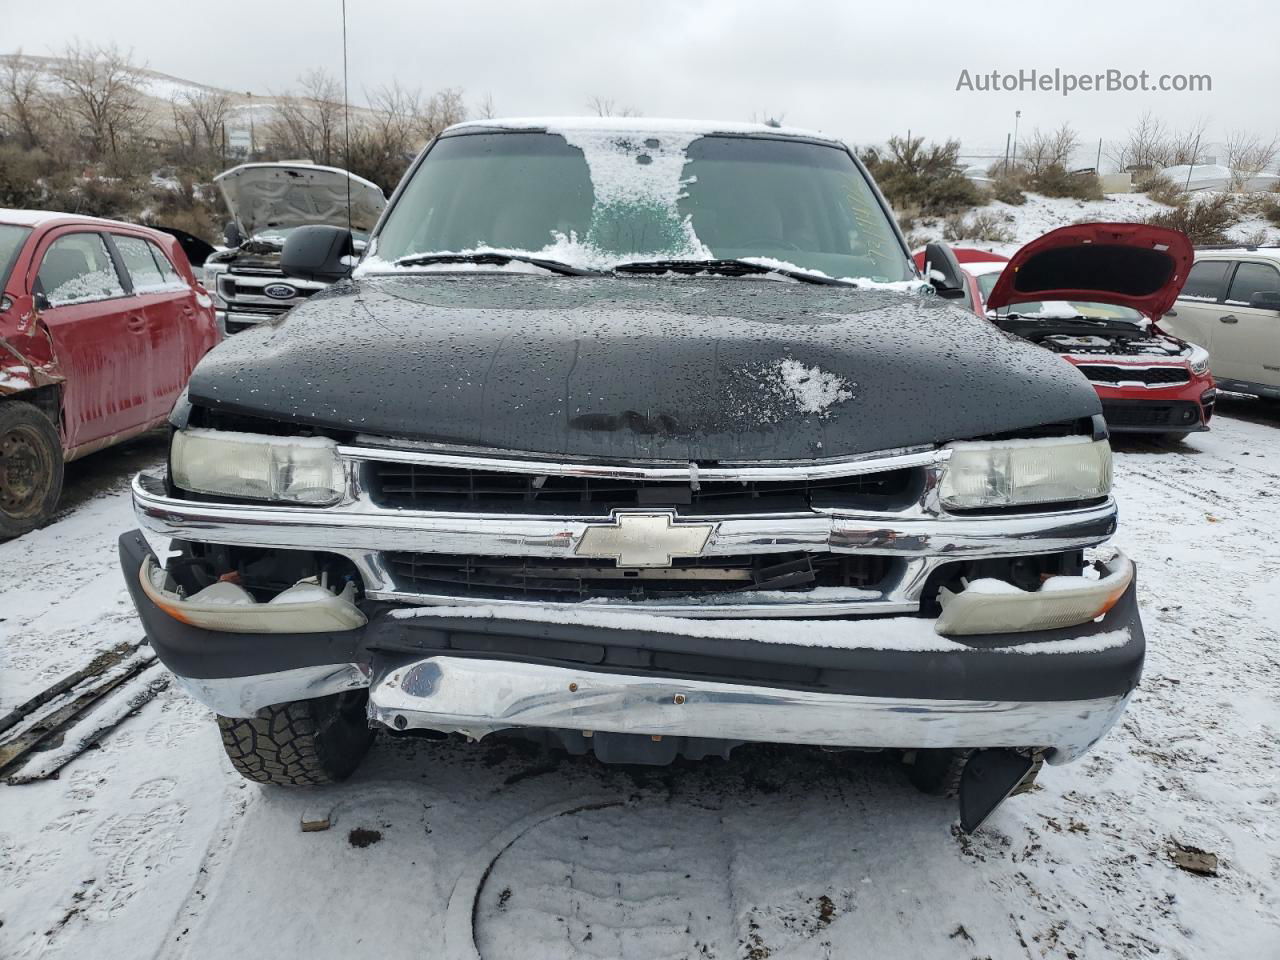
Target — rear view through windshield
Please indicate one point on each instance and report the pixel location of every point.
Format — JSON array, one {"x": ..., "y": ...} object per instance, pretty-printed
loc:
[{"x": 609, "y": 197}]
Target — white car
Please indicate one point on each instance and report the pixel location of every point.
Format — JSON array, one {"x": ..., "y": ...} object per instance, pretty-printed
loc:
[{"x": 1231, "y": 306}]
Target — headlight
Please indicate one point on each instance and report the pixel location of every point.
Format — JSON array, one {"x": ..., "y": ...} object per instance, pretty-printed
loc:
[
  {"x": 254, "y": 467},
  {"x": 1198, "y": 361},
  {"x": 1019, "y": 472}
]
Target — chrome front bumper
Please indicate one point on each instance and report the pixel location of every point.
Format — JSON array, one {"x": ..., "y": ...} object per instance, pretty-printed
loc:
[
  {"x": 477, "y": 697},
  {"x": 918, "y": 535}
]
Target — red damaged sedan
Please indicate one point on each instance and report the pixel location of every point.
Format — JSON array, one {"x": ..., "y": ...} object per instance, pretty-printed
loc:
[
  {"x": 1148, "y": 381},
  {"x": 101, "y": 324}
]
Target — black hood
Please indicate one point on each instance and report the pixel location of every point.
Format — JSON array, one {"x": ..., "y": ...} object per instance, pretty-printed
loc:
[{"x": 679, "y": 369}]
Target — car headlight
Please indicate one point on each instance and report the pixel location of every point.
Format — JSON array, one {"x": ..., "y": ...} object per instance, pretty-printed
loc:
[
  {"x": 1198, "y": 361},
  {"x": 1008, "y": 473},
  {"x": 256, "y": 467}
]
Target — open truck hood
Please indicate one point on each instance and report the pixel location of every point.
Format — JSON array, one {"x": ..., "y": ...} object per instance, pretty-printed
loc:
[
  {"x": 1128, "y": 264},
  {"x": 263, "y": 197}
]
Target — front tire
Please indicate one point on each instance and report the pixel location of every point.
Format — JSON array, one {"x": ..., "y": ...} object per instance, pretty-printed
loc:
[
  {"x": 30, "y": 468},
  {"x": 300, "y": 743}
]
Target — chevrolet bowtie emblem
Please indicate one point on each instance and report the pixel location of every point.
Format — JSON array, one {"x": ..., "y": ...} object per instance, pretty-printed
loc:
[{"x": 644, "y": 539}]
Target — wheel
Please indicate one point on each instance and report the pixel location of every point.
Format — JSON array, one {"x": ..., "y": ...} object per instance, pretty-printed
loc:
[
  {"x": 301, "y": 743},
  {"x": 30, "y": 468},
  {"x": 937, "y": 772}
]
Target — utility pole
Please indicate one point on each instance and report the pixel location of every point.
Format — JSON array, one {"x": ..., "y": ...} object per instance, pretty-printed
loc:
[
  {"x": 1195, "y": 152},
  {"x": 1006, "y": 154},
  {"x": 249, "y": 94},
  {"x": 1017, "y": 115}
]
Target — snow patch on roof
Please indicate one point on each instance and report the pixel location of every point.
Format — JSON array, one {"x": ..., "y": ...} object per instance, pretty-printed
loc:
[{"x": 690, "y": 128}]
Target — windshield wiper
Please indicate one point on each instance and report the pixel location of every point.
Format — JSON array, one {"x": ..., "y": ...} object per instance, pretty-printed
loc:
[
  {"x": 726, "y": 268},
  {"x": 497, "y": 259}
]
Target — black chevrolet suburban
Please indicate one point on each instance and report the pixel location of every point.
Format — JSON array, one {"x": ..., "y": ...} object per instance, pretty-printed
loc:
[{"x": 643, "y": 438}]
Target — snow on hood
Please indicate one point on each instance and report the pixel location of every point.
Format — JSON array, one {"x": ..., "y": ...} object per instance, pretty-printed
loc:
[{"x": 263, "y": 197}]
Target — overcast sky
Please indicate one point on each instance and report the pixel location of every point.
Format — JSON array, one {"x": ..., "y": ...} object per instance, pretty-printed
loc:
[{"x": 857, "y": 70}]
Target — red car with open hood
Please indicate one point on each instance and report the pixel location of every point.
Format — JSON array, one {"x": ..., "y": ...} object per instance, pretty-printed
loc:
[
  {"x": 1094, "y": 292},
  {"x": 101, "y": 324}
]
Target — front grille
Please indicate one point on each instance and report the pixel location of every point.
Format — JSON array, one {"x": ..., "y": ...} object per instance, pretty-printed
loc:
[
  {"x": 1151, "y": 376},
  {"x": 423, "y": 487},
  {"x": 574, "y": 579},
  {"x": 1151, "y": 414}
]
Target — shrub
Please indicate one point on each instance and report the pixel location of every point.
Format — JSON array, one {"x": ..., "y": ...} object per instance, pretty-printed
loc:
[
  {"x": 195, "y": 208},
  {"x": 1259, "y": 238},
  {"x": 1161, "y": 189},
  {"x": 981, "y": 225},
  {"x": 1269, "y": 207},
  {"x": 1007, "y": 190},
  {"x": 1054, "y": 180},
  {"x": 906, "y": 215},
  {"x": 1204, "y": 221},
  {"x": 21, "y": 177},
  {"x": 927, "y": 178},
  {"x": 98, "y": 196}
]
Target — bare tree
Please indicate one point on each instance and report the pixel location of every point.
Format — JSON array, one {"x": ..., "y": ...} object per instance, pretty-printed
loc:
[
  {"x": 1185, "y": 146},
  {"x": 200, "y": 124},
  {"x": 608, "y": 107},
  {"x": 1144, "y": 147},
  {"x": 186, "y": 131},
  {"x": 1249, "y": 155},
  {"x": 212, "y": 109},
  {"x": 485, "y": 109},
  {"x": 1050, "y": 148},
  {"x": 444, "y": 108},
  {"x": 399, "y": 121},
  {"x": 310, "y": 124},
  {"x": 100, "y": 86},
  {"x": 23, "y": 101}
]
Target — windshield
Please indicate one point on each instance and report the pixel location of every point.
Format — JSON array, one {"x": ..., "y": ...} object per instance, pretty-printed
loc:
[
  {"x": 1070, "y": 310},
  {"x": 11, "y": 239},
  {"x": 600, "y": 198}
]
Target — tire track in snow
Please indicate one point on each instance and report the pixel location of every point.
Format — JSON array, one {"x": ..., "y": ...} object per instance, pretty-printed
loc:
[{"x": 578, "y": 886}]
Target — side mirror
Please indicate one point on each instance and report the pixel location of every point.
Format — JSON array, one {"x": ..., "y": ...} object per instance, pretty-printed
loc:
[
  {"x": 320, "y": 253},
  {"x": 1266, "y": 300},
  {"x": 231, "y": 233},
  {"x": 942, "y": 269}
]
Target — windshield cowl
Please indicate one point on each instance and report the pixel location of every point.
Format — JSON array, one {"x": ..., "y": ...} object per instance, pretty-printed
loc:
[{"x": 521, "y": 261}]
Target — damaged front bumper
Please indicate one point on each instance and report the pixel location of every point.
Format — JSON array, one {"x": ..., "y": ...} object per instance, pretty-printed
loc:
[{"x": 691, "y": 685}]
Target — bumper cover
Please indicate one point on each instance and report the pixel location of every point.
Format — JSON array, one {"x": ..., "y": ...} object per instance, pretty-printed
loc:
[{"x": 479, "y": 674}]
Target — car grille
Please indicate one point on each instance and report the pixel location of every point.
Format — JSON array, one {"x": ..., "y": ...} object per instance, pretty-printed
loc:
[
  {"x": 575, "y": 579},
  {"x": 1151, "y": 414},
  {"x": 422, "y": 487},
  {"x": 1151, "y": 376}
]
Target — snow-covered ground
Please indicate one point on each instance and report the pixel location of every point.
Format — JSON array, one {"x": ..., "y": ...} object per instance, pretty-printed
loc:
[
  {"x": 151, "y": 846},
  {"x": 1041, "y": 214}
]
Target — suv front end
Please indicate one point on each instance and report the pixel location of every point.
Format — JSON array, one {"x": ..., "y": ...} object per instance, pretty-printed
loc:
[{"x": 645, "y": 512}]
